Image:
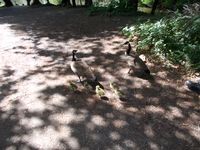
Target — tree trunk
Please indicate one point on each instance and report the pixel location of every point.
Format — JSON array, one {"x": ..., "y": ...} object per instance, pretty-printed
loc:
[
  {"x": 134, "y": 4},
  {"x": 174, "y": 5},
  {"x": 74, "y": 3},
  {"x": 8, "y": 3},
  {"x": 66, "y": 3},
  {"x": 88, "y": 3},
  {"x": 155, "y": 4}
]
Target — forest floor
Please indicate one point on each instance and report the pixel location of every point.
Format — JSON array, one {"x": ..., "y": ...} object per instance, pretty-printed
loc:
[{"x": 39, "y": 111}]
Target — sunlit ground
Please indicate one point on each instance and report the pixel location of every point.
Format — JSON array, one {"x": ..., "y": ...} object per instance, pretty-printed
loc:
[{"x": 39, "y": 111}]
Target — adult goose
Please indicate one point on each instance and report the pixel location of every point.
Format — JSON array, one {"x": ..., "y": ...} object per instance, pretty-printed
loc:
[
  {"x": 81, "y": 68},
  {"x": 134, "y": 61}
]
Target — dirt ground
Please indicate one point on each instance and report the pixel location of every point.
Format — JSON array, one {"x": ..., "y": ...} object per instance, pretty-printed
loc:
[{"x": 39, "y": 111}]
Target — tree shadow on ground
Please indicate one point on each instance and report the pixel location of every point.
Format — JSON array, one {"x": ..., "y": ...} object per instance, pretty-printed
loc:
[{"x": 38, "y": 110}]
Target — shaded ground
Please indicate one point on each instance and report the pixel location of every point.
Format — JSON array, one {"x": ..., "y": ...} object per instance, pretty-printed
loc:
[{"x": 38, "y": 111}]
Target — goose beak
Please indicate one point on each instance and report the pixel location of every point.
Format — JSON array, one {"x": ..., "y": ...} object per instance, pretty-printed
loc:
[{"x": 124, "y": 43}]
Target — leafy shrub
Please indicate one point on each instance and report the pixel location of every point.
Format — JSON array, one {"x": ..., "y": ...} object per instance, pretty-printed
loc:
[
  {"x": 2, "y": 3},
  {"x": 147, "y": 1},
  {"x": 191, "y": 9},
  {"x": 55, "y": 2},
  {"x": 25, "y": 2},
  {"x": 175, "y": 39},
  {"x": 111, "y": 7}
]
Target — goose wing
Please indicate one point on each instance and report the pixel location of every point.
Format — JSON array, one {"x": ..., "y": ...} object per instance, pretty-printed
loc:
[
  {"x": 140, "y": 63},
  {"x": 83, "y": 69}
]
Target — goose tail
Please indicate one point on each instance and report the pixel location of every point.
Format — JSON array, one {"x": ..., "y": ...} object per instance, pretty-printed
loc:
[{"x": 147, "y": 71}]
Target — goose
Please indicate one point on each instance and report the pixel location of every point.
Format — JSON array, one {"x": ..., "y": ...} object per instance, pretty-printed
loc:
[
  {"x": 99, "y": 91},
  {"x": 81, "y": 68},
  {"x": 134, "y": 61}
]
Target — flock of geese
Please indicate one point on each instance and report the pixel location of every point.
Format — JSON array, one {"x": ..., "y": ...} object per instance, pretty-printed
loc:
[{"x": 82, "y": 70}]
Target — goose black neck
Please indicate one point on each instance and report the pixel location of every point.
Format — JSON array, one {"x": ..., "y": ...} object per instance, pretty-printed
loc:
[
  {"x": 73, "y": 57},
  {"x": 128, "y": 49}
]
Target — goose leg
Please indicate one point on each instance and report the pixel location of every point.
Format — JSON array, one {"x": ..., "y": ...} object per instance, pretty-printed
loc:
[
  {"x": 79, "y": 78},
  {"x": 129, "y": 70}
]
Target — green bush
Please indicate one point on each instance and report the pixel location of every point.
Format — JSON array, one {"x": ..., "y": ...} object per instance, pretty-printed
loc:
[
  {"x": 175, "y": 39},
  {"x": 19, "y": 2},
  {"x": 55, "y": 2},
  {"x": 111, "y": 7}
]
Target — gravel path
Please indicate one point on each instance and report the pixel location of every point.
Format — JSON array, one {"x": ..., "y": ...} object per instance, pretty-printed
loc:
[{"x": 38, "y": 110}]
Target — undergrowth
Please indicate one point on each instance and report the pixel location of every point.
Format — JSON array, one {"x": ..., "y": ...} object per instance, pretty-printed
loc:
[
  {"x": 113, "y": 7},
  {"x": 175, "y": 39}
]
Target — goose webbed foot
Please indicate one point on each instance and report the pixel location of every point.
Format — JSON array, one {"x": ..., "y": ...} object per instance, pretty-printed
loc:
[
  {"x": 129, "y": 71},
  {"x": 79, "y": 81}
]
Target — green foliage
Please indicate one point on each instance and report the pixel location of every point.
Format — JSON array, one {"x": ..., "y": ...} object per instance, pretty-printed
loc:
[
  {"x": 111, "y": 7},
  {"x": 43, "y": 2},
  {"x": 19, "y": 2},
  {"x": 25, "y": 2},
  {"x": 2, "y": 3},
  {"x": 147, "y": 1},
  {"x": 176, "y": 39},
  {"x": 55, "y": 2}
]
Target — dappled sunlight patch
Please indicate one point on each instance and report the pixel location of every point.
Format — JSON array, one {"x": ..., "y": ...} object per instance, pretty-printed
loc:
[
  {"x": 195, "y": 131},
  {"x": 154, "y": 109},
  {"x": 153, "y": 146},
  {"x": 43, "y": 43},
  {"x": 162, "y": 74},
  {"x": 10, "y": 34},
  {"x": 31, "y": 122},
  {"x": 91, "y": 126},
  {"x": 182, "y": 136},
  {"x": 49, "y": 134},
  {"x": 132, "y": 109},
  {"x": 15, "y": 139},
  {"x": 130, "y": 144},
  {"x": 114, "y": 136},
  {"x": 174, "y": 113},
  {"x": 153, "y": 100},
  {"x": 73, "y": 143},
  {"x": 149, "y": 131},
  {"x": 117, "y": 104},
  {"x": 99, "y": 120},
  {"x": 109, "y": 115},
  {"x": 140, "y": 83},
  {"x": 194, "y": 116},
  {"x": 91, "y": 101},
  {"x": 84, "y": 111},
  {"x": 117, "y": 147},
  {"x": 57, "y": 100},
  {"x": 95, "y": 137},
  {"x": 185, "y": 104},
  {"x": 90, "y": 60},
  {"x": 68, "y": 116},
  {"x": 119, "y": 123},
  {"x": 36, "y": 106},
  {"x": 139, "y": 96}
]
